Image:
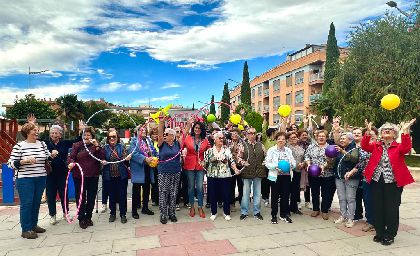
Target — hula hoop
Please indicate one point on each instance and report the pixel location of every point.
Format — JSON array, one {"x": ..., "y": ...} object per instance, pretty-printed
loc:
[
  {"x": 339, "y": 163},
  {"x": 70, "y": 221},
  {"x": 83, "y": 135}
]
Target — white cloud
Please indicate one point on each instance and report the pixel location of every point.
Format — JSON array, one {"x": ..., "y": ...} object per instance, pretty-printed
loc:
[
  {"x": 8, "y": 94},
  {"x": 132, "y": 54},
  {"x": 170, "y": 85},
  {"x": 103, "y": 74},
  {"x": 135, "y": 87},
  {"x": 110, "y": 87},
  {"x": 156, "y": 99},
  {"x": 86, "y": 80}
]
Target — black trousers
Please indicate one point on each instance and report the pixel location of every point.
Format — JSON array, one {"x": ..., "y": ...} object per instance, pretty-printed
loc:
[
  {"x": 325, "y": 186},
  {"x": 219, "y": 188},
  {"x": 155, "y": 187},
  {"x": 386, "y": 199},
  {"x": 56, "y": 182},
  {"x": 117, "y": 189},
  {"x": 265, "y": 187},
  {"x": 183, "y": 189},
  {"x": 88, "y": 196},
  {"x": 236, "y": 180},
  {"x": 135, "y": 201},
  {"x": 307, "y": 194},
  {"x": 281, "y": 187},
  {"x": 295, "y": 191},
  {"x": 358, "y": 214}
]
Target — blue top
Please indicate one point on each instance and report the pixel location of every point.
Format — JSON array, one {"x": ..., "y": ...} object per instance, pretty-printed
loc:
[
  {"x": 168, "y": 152},
  {"x": 138, "y": 165},
  {"x": 123, "y": 170}
]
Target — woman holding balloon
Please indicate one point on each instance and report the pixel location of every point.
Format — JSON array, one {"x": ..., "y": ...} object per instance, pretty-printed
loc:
[
  {"x": 322, "y": 177},
  {"x": 298, "y": 153},
  {"x": 280, "y": 162}
]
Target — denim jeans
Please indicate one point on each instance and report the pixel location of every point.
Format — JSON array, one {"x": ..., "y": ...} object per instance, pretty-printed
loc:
[
  {"x": 195, "y": 181},
  {"x": 256, "y": 191},
  {"x": 367, "y": 200},
  {"x": 30, "y": 192},
  {"x": 346, "y": 191}
]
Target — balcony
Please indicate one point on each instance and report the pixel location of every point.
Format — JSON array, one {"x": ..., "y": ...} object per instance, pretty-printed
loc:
[
  {"x": 266, "y": 108},
  {"x": 317, "y": 78},
  {"x": 314, "y": 97},
  {"x": 266, "y": 93}
]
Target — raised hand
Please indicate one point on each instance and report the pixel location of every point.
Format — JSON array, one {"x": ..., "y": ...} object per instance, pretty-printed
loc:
[
  {"x": 31, "y": 118},
  {"x": 405, "y": 126},
  {"x": 82, "y": 125},
  {"x": 368, "y": 125},
  {"x": 336, "y": 123},
  {"x": 324, "y": 120}
]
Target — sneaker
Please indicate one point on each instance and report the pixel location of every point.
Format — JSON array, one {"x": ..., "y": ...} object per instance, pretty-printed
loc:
[
  {"x": 147, "y": 212},
  {"x": 368, "y": 227},
  {"x": 89, "y": 222},
  {"x": 123, "y": 219},
  {"x": 173, "y": 218},
  {"x": 163, "y": 219},
  {"x": 53, "y": 220},
  {"x": 349, "y": 223},
  {"x": 188, "y": 206},
  {"x": 266, "y": 203},
  {"x": 135, "y": 216},
  {"x": 274, "y": 220},
  {"x": 378, "y": 239},
  {"x": 82, "y": 224},
  {"x": 213, "y": 216},
  {"x": 177, "y": 208},
  {"x": 258, "y": 216},
  {"x": 227, "y": 217},
  {"x": 340, "y": 220},
  {"x": 300, "y": 206},
  {"x": 308, "y": 205},
  {"x": 243, "y": 216},
  {"x": 286, "y": 219},
  {"x": 112, "y": 218},
  {"x": 29, "y": 234},
  {"x": 103, "y": 208},
  {"x": 325, "y": 215},
  {"x": 298, "y": 212},
  {"x": 387, "y": 241},
  {"x": 38, "y": 229}
]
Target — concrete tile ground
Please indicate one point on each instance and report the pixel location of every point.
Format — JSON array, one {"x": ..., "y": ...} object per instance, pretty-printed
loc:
[{"x": 196, "y": 236}]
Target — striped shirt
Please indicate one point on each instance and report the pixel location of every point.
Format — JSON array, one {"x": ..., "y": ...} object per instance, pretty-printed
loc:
[{"x": 23, "y": 150}]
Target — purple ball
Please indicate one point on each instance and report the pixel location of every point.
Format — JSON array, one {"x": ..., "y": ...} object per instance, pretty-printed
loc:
[
  {"x": 331, "y": 152},
  {"x": 314, "y": 170}
]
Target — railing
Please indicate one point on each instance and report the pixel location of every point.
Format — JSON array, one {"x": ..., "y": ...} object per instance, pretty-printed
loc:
[
  {"x": 266, "y": 92},
  {"x": 315, "y": 77},
  {"x": 314, "y": 97}
]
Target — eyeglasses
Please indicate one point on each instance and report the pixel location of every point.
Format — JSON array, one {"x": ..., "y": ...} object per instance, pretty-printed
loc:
[
  {"x": 112, "y": 137},
  {"x": 251, "y": 132},
  {"x": 221, "y": 138},
  {"x": 178, "y": 131},
  {"x": 387, "y": 129}
]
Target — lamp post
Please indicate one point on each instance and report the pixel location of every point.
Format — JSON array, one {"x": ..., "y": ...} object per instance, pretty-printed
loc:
[
  {"x": 393, "y": 4},
  {"x": 34, "y": 73}
]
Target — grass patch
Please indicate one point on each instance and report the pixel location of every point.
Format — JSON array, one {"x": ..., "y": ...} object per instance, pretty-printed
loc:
[{"x": 413, "y": 161}]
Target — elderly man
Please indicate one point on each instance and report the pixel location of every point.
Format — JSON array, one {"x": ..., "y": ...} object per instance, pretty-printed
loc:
[{"x": 253, "y": 172}]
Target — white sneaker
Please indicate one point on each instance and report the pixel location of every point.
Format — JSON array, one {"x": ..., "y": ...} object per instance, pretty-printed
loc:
[
  {"x": 53, "y": 220},
  {"x": 308, "y": 205},
  {"x": 340, "y": 220},
  {"x": 213, "y": 217},
  {"x": 227, "y": 217},
  {"x": 103, "y": 208},
  {"x": 267, "y": 203},
  {"x": 349, "y": 223}
]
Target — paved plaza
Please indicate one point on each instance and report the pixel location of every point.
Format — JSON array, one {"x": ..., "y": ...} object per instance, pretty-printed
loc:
[{"x": 196, "y": 236}]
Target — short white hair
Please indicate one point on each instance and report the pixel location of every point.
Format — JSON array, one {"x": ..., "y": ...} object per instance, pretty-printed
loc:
[
  {"x": 56, "y": 127},
  {"x": 218, "y": 134},
  {"x": 349, "y": 135}
]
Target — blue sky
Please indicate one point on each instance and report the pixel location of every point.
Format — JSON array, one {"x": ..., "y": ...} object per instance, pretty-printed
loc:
[{"x": 174, "y": 51}]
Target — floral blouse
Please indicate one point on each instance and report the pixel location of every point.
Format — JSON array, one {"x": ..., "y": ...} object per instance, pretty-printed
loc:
[
  {"x": 316, "y": 155},
  {"x": 237, "y": 149},
  {"x": 217, "y": 162}
]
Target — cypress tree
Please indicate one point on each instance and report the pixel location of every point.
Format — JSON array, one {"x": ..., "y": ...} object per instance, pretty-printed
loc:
[
  {"x": 212, "y": 107},
  {"x": 332, "y": 60},
  {"x": 225, "y": 109},
  {"x": 245, "y": 87}
]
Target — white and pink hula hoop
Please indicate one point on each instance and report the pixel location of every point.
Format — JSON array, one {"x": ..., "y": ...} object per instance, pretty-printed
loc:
[{"x": 72, "y": 220}]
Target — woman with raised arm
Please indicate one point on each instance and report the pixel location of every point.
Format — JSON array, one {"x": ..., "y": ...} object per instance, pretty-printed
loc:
[{"x": 387, "y": 173}]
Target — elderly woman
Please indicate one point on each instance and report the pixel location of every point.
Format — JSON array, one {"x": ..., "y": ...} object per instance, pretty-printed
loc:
[
  {"x": 280, "y": 187},
  {"x": 169, "y": 171},
  {"x": 116, "y": 175},
  {"x": 56, "y": 180},
  {"x": 347, "y": 178},
  {"x": 28, "y": 159},
  {"x": 387, "y": 173},
  {"x": 298, "y": 178},
  {"x": 217, "y": 159},
  {"x": 236, "y": 146},
  {"x": 91, "y": 169},
  {"x": 142, "y": 175},
  {"x": 325, "y": 182},
  {"x": 196, "y": 144}
]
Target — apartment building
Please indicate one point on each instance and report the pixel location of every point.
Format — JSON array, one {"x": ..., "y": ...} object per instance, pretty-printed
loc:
[{"x": 296, "y": 82}]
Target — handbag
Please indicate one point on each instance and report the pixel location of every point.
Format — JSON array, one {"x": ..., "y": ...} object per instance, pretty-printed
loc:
[{"x": 47, "y": 164}]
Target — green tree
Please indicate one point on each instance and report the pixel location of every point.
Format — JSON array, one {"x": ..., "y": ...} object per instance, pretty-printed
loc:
[
  {"x": 30, "y": 104},
  {"x": 255, "y": 120},
  {"x": 384, "y": 58},
  {"x": 212, "y": 106},
  {"x": 225, "y": 109},
  {"x": 243, "y": 106},
  {"x": 122, "y": 121},
  {"x": 71, "y": 109},
  {"x": 245, "y": 86},
  {"x": 99, "y": 120}
]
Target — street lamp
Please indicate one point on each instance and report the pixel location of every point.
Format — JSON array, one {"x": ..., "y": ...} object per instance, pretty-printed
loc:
[
  {"x": 34, "y": 73},
  {"x": 233, "y": 81},
  {"x": 393, "y": 4}
]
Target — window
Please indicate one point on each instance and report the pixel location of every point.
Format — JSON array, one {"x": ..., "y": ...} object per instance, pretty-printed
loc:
[
  {"x": 259, "y": 91},
  {"x": 289, "y": 99},
  {"x": 259, "y": 106},
  {"x": 299, "y": 77},
  {"x": 289, "y": 79},
  {"x": 299, "y": 98},
  {"x": 276, "y": 118},
  {"x": 298, "y": 116},
  {"x": 253, "y": 93},
  {"x": 276, "y": 85},
  {"x": 276, "y": 103}
]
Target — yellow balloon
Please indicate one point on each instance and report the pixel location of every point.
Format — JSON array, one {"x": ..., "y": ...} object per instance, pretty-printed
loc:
[
  {"x": 390, "y": 101},
  {"x": 240, "y": 127},
  {"x": 154, "y": 162},
  {"x": 284, "y": 110},
  {"x": 245, "y": 123},
  {"x": 235, "y": 118}
]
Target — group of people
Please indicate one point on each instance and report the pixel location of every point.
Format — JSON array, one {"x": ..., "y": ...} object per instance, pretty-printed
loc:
[{"x": 167, "y": 164}]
